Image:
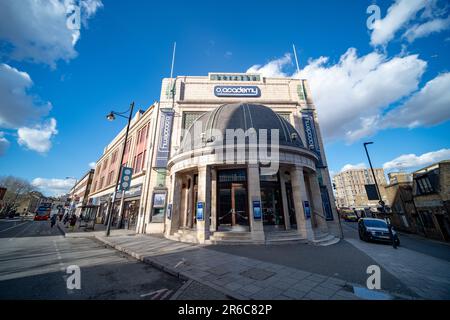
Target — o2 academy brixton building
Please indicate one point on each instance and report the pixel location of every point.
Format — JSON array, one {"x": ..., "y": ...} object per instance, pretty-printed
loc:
[{"x": 223, "y": 158}]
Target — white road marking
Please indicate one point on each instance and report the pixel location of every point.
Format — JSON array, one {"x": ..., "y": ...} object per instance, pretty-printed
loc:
[
  {"x": 17, "y": 225},
  {"x": 166, "y": 295},
  {"x": 21, "y": 232},
  {"x": 153, "y": 293},
  {"x": 180, "y": 263}
]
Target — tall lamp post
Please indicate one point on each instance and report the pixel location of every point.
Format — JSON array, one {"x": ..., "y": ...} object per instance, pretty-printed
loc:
[
  {"x": 381, "y": 202},
  {"x": 112, "y": 116}
]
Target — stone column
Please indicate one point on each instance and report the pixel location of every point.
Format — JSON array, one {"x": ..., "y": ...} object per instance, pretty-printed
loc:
[
  {"x": 190, "y": 205},
  {"x": 317, "y": 206},
  {"x": 284, "y": 200},
  {"x": 213, "y": 200},
  {"x": 299, "y": 194},
  {"x": 254, "y": 194},
  {"x": 204, "y": 195},
  {"x": 174, "y": 197}
]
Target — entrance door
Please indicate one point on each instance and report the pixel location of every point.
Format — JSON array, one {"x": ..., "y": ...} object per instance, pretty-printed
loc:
[
  {"x": 271, "y": 203},
  {"x": 239, "y": 214},
  {"x": 232, "y": 212}
]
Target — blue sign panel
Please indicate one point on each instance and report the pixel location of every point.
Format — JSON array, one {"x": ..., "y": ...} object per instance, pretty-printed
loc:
[
  {"x": 125, "y": 180},
  {"x": 200, "y": 214},
  {"x": 307, "y": 209},
  {"x": 257, "y": 210},
  {"x": 169, "y": 211},
  {"x": 165, "y": 133},
  {"x": 311, "y": 134},
  {"x": 237, "y": 91}
]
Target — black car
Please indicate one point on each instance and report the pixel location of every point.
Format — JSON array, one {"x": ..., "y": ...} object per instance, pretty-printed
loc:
[{"x": 370, "y": 229}]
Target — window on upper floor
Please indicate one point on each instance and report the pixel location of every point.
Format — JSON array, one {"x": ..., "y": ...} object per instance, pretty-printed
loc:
[
  {"x": 189, "y": 117},
  {"x": 285, "y": 115}
]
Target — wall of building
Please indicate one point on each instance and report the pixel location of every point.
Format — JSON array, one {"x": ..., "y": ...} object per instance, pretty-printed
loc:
[{"x": 350, "y": 187}]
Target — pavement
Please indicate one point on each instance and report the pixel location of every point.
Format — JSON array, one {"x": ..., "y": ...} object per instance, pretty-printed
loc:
[
  {"x": 34, "y": 259},
  {"x": 241, "y": 277},
  {"x": 422, "y": 265}
]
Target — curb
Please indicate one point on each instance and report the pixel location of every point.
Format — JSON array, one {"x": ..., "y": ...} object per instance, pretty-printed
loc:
[{"x": 170, "y": 270}]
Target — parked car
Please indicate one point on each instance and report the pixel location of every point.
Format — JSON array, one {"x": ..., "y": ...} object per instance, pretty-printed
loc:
[
  {"x": 349, "y": 215},
  {"x": 371, "y": 229}
]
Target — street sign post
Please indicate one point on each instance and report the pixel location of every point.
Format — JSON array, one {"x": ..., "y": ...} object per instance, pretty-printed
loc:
[{"x": 125, "y": 180}]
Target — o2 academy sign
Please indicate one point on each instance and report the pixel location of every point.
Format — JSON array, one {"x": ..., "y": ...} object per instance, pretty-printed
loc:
[{"x": 237, "y": 91}]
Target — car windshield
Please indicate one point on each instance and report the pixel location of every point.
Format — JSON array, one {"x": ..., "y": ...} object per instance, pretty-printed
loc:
[{"x": 375, "y": 224}]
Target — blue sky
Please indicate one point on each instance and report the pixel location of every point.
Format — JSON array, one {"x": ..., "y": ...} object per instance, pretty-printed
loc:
[{"x": 123, "y": 50}]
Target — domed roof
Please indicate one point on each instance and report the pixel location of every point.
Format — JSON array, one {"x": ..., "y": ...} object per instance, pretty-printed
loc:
[{"x": 239, "y": 116}]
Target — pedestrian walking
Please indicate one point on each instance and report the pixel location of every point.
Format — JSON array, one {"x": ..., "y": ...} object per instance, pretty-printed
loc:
[
  {"x": 72, "y": 222},
  {"x": 53, "y": 220},
  {"x": 391, "y": 234}
]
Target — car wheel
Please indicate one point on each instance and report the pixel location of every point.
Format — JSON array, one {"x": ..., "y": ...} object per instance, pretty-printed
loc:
[{"x": 361, "y": 237}]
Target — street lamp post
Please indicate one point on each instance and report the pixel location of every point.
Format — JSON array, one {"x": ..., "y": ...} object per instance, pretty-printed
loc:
[
  {"x": 381, "y": 202},
  {"x": 111, "y": 117},
  {"x": 374, "y": 177}
]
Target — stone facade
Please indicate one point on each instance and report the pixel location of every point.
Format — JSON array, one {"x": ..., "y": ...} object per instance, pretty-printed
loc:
[
  {"x": 172, "y": 184},
  {"x": 80, "y": 192},
  {"x": 431, "y": 190},
  {"x": 350, "y": 190}
]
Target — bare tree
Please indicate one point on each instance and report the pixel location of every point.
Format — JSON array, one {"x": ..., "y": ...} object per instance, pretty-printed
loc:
[{"x": 16, "y": 188}]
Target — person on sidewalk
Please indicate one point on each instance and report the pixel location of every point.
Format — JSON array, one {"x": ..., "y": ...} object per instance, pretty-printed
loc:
[
  {"x": 53, "y": 220},
  {"x": 72, "y": 222}
]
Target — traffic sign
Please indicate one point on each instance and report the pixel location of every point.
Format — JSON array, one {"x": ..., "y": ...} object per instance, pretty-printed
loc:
[{"x": 125, "y": 180}]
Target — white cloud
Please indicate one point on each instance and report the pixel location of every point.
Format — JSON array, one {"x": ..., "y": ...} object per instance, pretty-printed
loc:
[
  {"x": 39, "y": 137},
  {"x": 427, "y": 107},
  {"x": 92, "y": 165},
  {"x": 4, "y": 144},
  {"x": 37, "y": 29},
  {"x": 353, "y": 166},
  {"x": 17, "y": 106},
  {"x": 355, "y": 91},
  {"x": 423, "y": 30},
  {"x": 53, "y": 187},
  {"x": 408, "y": 161},
  {"x": 273, "y": 68},
  {"x": 371, "y": 93},
  {"x": 398, "y": 15}
]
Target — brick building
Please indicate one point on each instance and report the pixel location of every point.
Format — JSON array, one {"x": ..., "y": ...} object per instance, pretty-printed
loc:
[{"x": 431, "y": 191}]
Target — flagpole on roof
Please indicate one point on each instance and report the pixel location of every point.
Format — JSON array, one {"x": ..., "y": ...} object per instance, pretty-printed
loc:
[
  {"x": 173, "y": 59},
  {"x": 296, "y": 59}
]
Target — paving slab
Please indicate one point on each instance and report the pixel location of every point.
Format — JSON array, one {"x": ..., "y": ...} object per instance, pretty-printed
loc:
[{"x": 268, "y": 280}]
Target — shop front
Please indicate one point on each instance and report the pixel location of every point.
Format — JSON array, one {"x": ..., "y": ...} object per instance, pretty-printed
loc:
[{"x": 212, "y": 200}]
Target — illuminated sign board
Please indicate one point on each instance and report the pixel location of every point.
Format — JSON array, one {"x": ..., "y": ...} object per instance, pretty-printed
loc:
[{"x": 237, "y": 91}]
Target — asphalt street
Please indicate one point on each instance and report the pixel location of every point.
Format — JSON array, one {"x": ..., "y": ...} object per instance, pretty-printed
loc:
[
  {"x": 34, "y": 259},
  {"x": 412, "y": 242},
  {"x": 342, "y": 260}
]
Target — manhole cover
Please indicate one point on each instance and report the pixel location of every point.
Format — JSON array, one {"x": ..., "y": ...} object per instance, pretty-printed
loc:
[{"x": 257, "y": 274}]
